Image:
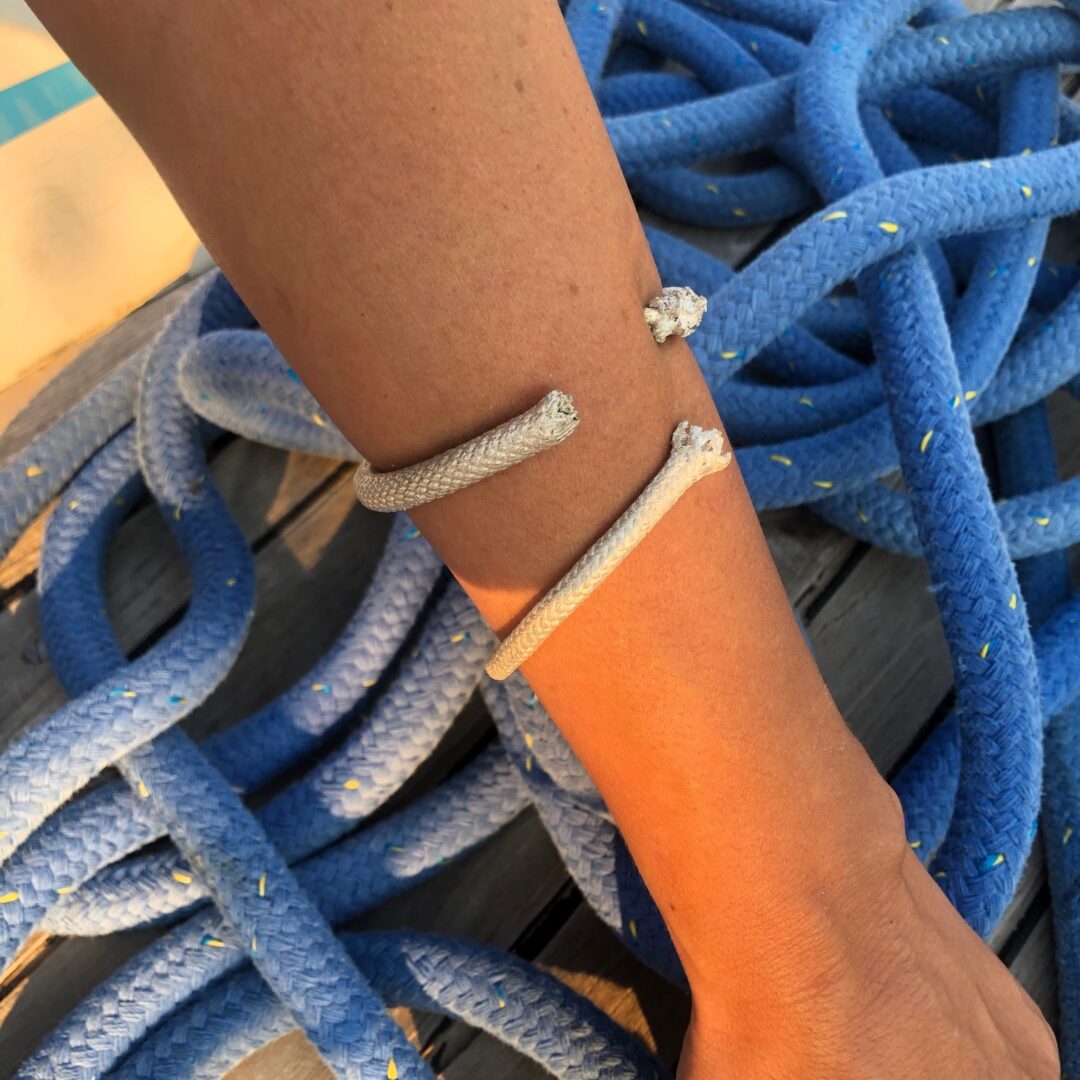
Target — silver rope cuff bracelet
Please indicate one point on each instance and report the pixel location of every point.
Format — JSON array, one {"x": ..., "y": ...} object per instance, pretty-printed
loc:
[{"x": 694, "y": 454}]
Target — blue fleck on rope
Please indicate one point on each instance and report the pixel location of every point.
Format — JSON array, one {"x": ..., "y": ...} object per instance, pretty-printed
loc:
[{"x": 914, "y": 158}]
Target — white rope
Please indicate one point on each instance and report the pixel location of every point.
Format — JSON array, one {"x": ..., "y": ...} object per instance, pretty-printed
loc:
[
  {"x": 677, "y": 310},
  {"x": 695, "y": 453},
  {"x": 545, "y": 425}
]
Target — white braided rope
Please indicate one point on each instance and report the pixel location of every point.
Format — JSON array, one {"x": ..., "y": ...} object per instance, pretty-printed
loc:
[
  {"x": 545, "y": 425},
  {"x": 695, "y": 453}
]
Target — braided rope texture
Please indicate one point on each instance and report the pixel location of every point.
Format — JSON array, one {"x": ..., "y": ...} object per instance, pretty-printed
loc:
[
  {"x": 546, "y": 424},
  {"x": 694, "y": 455},
  {"x": 915, "y": 157}
]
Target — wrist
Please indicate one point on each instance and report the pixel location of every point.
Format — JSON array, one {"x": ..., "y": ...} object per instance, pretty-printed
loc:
[{"x": 815, "y": 861}]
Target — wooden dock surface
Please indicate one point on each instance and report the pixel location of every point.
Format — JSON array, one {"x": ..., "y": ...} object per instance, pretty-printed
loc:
[{"x": 870, "y": 618}]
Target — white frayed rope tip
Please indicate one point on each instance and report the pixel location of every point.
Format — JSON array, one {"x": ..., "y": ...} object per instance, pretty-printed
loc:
[
  {"x": 687, "y": 436},
  {"x": 677, "y": 310},
  {"x": 556, "y": 414}
]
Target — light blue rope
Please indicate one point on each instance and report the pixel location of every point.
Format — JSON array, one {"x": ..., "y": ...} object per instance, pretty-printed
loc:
[{"x": 959, "y": 322}]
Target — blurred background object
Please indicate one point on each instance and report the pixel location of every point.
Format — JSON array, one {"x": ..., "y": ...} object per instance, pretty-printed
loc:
[{"x": 90, "y": 231}]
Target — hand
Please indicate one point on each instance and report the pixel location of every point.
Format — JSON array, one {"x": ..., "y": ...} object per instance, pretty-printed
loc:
[{"x": 891, "y": 983}]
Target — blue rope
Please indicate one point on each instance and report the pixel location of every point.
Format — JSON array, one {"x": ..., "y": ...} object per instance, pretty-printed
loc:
[{"x": 912, "y": 152}]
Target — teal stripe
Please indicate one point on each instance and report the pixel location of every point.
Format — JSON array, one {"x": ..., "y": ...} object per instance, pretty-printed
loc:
[{"x": 30, "y": 103}]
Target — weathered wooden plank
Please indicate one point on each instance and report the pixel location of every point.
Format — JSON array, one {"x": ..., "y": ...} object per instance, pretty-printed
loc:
[
  {"x": 881, "y": 650},
  {"x": 1033, "y": 965},
  {"x": 808, "y": 553},
  {"x": 291, "y": 1057}
]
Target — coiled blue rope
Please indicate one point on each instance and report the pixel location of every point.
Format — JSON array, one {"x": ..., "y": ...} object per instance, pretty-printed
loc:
[{"x": 857, "y": 114}]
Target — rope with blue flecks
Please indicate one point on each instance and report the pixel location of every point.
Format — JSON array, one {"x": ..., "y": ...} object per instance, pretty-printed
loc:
[{"x": 919, "y": 154}]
